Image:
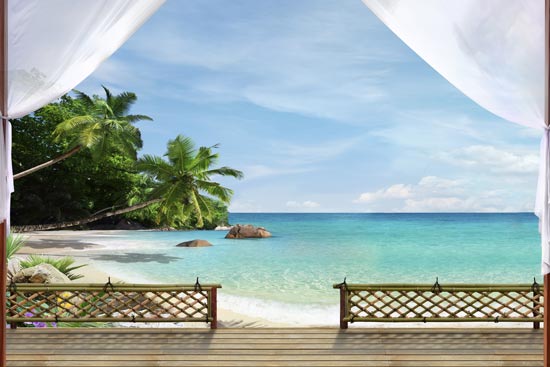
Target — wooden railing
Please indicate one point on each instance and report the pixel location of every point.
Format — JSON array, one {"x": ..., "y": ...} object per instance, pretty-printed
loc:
[
  {"x": 440, "y": 303},
  {"x": 109, "y": 302}
]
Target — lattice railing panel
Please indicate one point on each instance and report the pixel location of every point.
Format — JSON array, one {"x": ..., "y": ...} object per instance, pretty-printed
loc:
[
  {"x": 138, "y": 303},
  {"x": 442, "y": 303}
]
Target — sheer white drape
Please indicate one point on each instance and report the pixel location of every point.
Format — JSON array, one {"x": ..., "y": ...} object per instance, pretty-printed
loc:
[
  {"x": 52, "y": 46},
  {"x": 492, "y": 51}
]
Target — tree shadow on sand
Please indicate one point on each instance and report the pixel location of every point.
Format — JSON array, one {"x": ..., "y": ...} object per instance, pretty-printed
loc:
[
  {"x": 135, "y": 257},
  {"x": 59, "y": 244}
]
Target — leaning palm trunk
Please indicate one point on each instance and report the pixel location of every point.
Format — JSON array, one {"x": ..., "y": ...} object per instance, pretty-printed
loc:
[
  {"x": 79, "y": 222},
  {"x": 48, "y": 163}
]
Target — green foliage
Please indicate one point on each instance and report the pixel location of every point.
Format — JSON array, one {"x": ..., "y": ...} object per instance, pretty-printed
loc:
[
  {"x": 104, "y": 176},
  {"x": 103, "y": 125},
  {"x": 183, "y": 182},
  {"x": 64, "y": 264},
  {"x": 72, "y": 189},
  {"x": 14, "y": 244}
]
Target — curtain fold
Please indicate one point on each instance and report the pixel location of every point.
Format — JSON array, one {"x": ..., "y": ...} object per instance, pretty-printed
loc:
[
  {"x": 492, "y": 51},
  {"x": 54, "y": 45}
]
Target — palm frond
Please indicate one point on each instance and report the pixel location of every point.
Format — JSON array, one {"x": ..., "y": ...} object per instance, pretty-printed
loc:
[
  {"x": 206, "y": 207},
  {"x": 14, "y": 243},
  {"x": 108, "y": 94},
  {"x": 215, "y": 189},
  {"x": 136, "y": 118},
  {"x": 225, "y": 171},
  {"x": 155, "y": 167},
  {"x": 197, "y": 207},
  {"x": 121, "y": 103},
  {"x": 203, "y": 160},
  {"x": 86, "y": 101},
  {"x": 104, "y": 108},
  {"x": 180, "y": 152},
  {"x": 71, "y": 127}
]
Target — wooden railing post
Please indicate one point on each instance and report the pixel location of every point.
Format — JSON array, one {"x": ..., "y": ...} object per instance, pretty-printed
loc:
[
  {"x": 3, "y": 283},
  {"x": 536, "y": 302},
  {"x": 214, "y": 308},
  {"x": 343, "y": 307},
  {"x": 546, "y": 330}
]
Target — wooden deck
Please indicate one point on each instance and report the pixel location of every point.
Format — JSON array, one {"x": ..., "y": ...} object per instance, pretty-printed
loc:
[{"x": 274, "y": 347}]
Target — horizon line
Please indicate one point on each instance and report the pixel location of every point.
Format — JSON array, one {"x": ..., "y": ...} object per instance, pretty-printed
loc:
[{"x": 267, "y": 212}]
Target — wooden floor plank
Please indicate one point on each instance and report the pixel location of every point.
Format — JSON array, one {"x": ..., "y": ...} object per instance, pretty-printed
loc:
[{"x": 274, "y": 347}]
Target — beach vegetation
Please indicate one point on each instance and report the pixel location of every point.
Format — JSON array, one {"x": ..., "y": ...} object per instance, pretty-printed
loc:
[
  {"x": 100, "y": 124},
  {"x": 104, "y": 183},
  {"x": 13, "y": 244},
  {"x": 65, "y": 264},
  {"x": 182, "y": 181}
]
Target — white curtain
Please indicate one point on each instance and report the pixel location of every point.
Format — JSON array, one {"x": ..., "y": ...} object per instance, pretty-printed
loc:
[
  {"x": 492, "y": 51},
  {"x": 52, "y": 46}
]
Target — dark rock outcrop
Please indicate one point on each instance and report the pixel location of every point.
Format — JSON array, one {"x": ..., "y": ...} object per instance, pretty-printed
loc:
[
  {"x": 194, "y": 243},
  {"x": 239, "y": 231}
]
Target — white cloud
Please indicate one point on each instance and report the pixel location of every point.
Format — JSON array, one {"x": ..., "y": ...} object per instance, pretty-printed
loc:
[
  {"x": 436, "y": 194},
  {"x": 398, "y": 191},
  {"x": 492, "y": 159},
  {"x": 308, "y": 204}
]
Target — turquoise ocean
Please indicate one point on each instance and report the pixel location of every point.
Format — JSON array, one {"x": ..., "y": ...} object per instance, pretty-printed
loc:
[{"x": 308, "y": 253}]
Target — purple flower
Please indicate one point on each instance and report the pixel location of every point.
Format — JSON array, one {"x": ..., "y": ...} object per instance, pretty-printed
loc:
[
  {"x": 28, "y": 314},
  {"x": 54, "y": 324},
  {"x": 39, "y": 324}
]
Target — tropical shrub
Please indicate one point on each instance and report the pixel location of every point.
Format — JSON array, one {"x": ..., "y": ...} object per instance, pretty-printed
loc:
[
  {"x": 64, "y": 264},
  {"x": 14, "y": 244}
]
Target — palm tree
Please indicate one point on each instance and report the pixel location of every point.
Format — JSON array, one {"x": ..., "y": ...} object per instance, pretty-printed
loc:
[
  {"x": 181, "y": 185},
  {"x": 183, "y": 181},
  {"x": 102, "y": 125}
]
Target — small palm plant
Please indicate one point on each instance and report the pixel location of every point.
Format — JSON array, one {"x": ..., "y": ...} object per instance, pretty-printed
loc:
[
  {"x": 14, "y": 244},
  {"x": 64, "y": 264}
]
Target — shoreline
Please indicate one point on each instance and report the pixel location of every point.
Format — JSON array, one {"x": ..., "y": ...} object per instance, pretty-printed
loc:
[
  {"x": 82, "y": 245},
  {"x": 68, "y": 243}
]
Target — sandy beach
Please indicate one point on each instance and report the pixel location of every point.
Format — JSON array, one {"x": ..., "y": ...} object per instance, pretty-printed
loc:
[{"x": 80, "y": 245}]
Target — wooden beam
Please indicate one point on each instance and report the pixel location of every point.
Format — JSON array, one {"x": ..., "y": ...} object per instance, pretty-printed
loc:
[
  {"x": 4, "y": 274},
  {"x": 547, "y": 122},
  {"x": 343, "y": 307},
  {"x": 3, "y": 225}
]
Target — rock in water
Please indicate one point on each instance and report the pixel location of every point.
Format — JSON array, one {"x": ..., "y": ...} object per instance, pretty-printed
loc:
[
  {"x": 194, "y": 243},
  {"x": 247, "y": 231},
  {"x": 41, "y": 273}
]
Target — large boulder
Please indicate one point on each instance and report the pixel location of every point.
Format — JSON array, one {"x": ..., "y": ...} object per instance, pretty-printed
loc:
[
  {"x": 194, "y": 243},
  {"x": 247, "y": 231},
  {"x": 42, "y": 273}
]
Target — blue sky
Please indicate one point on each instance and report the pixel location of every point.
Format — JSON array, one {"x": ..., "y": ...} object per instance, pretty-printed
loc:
[{"x": 322, "y": 107}]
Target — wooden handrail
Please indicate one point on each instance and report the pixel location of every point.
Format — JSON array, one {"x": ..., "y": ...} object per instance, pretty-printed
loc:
[
  {"x": 441, "y": 303},
  {"x": 77, "y": 302}
]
